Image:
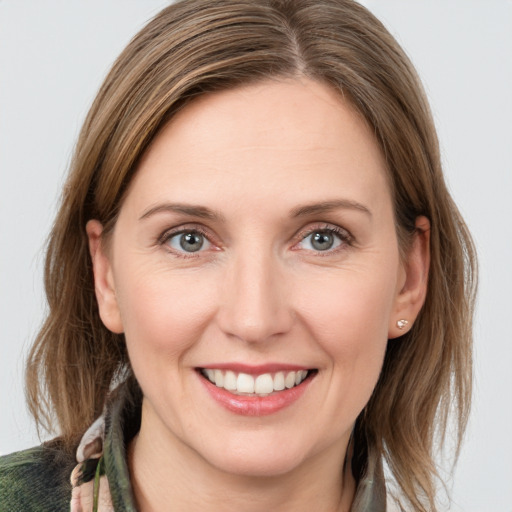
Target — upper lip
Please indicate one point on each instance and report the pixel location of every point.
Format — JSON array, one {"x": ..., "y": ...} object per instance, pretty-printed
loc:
[{"x": 256, "y": 369}]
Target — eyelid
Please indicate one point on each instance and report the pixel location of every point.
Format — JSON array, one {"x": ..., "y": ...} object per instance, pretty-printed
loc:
[
  {"x": 343, "y": 234},
  {"x": 187, "y": 228}
]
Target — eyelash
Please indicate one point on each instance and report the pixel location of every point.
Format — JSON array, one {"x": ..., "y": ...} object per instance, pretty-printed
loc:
[
  {"x": 168, "y": 235},
  {"x": 342, "y": 234}
]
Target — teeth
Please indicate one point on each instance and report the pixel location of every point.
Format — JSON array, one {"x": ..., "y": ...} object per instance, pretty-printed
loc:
[
  {"x": 300, "y": 377},
  {"x": 263, "y": 384},
  {"x": 219, "y": 378},
  {"x": 245, "y": 383},
  {"x": 289, "y": 380},
  {"x": 230, "y": 381},
  {"x": 279, "y": 381}
]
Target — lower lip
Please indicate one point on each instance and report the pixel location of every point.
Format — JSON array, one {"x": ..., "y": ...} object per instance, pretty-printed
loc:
[{"x": 255, "y": 405}]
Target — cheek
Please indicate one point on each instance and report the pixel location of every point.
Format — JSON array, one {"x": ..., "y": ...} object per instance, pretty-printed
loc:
[
  {"x": 348, "y": 315},
  {"x": 163, "y": 313},
  {"x": 349, "y": 321},
  {"x": 350, "y": 302}
]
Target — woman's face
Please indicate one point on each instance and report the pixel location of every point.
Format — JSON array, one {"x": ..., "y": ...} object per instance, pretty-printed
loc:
[{"x": 256, "y": 249}]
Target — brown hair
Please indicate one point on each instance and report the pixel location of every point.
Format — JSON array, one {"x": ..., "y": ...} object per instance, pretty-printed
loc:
[{"x": 197, "y": 46}]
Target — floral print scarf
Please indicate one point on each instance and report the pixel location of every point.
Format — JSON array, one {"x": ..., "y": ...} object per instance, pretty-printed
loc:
[{"x": 91, "y": 490}]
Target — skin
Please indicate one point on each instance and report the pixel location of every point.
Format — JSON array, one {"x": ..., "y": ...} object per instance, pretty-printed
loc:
[{"x": 257, "y": 292}]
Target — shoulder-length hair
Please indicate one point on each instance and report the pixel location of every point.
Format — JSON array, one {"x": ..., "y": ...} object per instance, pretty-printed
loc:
[{"x": 198, "y": 46}]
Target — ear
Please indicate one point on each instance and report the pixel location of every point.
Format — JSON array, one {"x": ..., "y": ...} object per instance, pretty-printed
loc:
[
  {"x": 104, "y": 286},
  {"x": 413, "y": 291}
]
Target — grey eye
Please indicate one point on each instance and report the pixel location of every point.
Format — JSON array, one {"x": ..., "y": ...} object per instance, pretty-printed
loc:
[
  {"x": 190, "y": 241},
  {"x": 321, "y": 240}
]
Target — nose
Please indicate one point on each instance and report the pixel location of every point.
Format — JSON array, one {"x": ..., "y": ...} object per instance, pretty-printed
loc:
[{"x": 254, "y": 304}]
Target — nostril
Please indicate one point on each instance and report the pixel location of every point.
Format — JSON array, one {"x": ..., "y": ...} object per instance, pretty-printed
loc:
[{"x": 254, "y": 308}]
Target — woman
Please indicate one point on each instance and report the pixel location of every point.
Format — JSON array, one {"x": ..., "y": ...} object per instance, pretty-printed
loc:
[{"x": 257, "y": 280}]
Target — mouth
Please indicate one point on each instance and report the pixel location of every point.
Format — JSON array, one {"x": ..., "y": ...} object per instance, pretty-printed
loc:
[{"x": 256, "y": 385}]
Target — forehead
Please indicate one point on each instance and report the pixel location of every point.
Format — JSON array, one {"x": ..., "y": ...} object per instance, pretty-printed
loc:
[{"x": 297, "y": 139}]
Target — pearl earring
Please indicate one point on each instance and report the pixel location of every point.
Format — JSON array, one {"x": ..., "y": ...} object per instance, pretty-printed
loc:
[{"x": 401, "y": 324}]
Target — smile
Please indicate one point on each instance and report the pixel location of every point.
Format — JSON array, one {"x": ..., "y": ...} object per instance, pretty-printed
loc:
[
  {"x": 251, "y": 391},
  {"x": 257, "y": 385}
]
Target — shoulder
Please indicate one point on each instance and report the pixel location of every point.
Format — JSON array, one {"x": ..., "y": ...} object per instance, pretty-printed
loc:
[{"x": 36, "y": 480}]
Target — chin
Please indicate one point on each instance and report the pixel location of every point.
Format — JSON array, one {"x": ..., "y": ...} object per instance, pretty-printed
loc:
[
  {"x": 255, "y": 459},
  {"x": 258, "y": 467}
]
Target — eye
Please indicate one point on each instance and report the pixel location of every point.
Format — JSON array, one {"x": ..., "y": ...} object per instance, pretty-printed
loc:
[
  {"x": 189, "y": 241},
  {"x": 324, "y": 239}
]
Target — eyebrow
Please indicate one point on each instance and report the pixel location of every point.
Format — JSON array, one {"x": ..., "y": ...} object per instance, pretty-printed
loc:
[
  {"x": 203, "y": 212},
  {"x": 327, "y": 206},
  {"x": 187, "y": 209}
]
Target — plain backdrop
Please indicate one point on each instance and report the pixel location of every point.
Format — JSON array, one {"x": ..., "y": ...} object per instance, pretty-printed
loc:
[{"x": 53, "y": 57}]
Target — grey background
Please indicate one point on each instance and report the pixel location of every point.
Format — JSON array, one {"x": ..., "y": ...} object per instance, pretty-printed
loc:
[{"x": 53, "y": 57}]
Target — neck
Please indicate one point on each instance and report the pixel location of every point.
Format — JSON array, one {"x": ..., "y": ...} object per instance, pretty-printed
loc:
[{"x": 169, "y": 476}]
